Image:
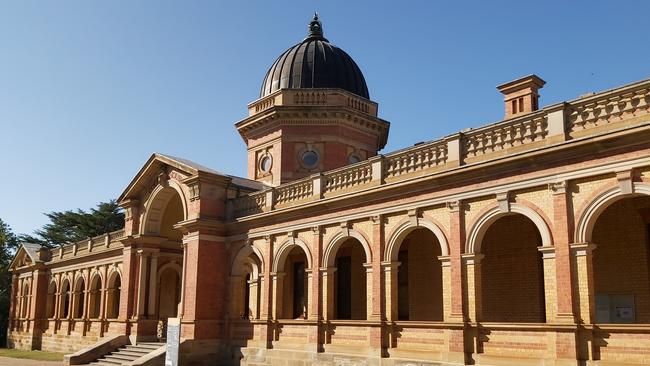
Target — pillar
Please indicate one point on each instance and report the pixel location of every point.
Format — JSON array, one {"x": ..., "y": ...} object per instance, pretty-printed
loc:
[
  {"x": 456, "y": 246},
  {"x": 141, "y": 287},
  {"x": 550, "y": 290},
  {"x": 205, "y": 282},
  {"x": 562, "y": 237},
  {"x": 153, "y": 283},
  {"x": 314, "y": 273},
  {"x": 327, "y": 277},
  {"x": 391, "y": 270},
  {"x": 277, "y": 295},
  {"x": 583, "y": 289},
  {"x": 446, "y": 287},
  {"x": 253, "y": 298},
  {"x": 473, "y": 294}
]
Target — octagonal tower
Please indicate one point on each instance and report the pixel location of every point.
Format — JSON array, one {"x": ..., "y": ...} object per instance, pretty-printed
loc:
[{"x": 314, "y": 114}]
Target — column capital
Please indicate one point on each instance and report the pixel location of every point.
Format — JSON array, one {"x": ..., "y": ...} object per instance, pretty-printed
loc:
[
  {"x": 390, "y": 266},
  {"x": 472, "y": 258},
  {"x": 582, "y": 249},
  {"x": 327, "y": 270},
  {"x": 455, "y": 206},
  {"x": 548, "y": 252},
  {"x": 445, "y": 260}
]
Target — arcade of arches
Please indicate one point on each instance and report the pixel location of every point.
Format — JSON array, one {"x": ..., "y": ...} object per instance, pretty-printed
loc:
[{"x": 392, "y": 257}]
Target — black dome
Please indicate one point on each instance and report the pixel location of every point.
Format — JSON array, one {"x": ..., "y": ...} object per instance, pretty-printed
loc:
[{"x": 314, "y": 63}]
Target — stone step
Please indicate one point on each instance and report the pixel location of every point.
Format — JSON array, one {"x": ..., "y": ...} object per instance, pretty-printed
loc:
[
  {"x": 126, "y": 352},
  {"x": 118, "y": 356},
  {"x": 107, "y": 361},
  {"x": 145, "y": 349}
]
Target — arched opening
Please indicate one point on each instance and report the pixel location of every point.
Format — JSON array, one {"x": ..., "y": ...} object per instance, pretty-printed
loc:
[
  {"x": 621, "y": 262},
  {"x": 80, "y": 294},
  {"x": 66, "y": 296},
  {"x": 51, "y": 296},
  {"x": 169, "y": 295},
  {"x": 294, "y": 287},
  {"x": 245, "y": 284},
  {"x": 350, "y": 281},
  {"x": 172, "y": 215},
  {"x": 94, "y": 296},
  {"x": 113, "y": 296},
  {"x": 419, "y": 277},
  {"x": 512, "y": 276},
  {"x": 24, "y": 302}
]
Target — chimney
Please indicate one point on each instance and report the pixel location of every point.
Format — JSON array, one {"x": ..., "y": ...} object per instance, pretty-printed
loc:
[{"x": 521, "y": 95}]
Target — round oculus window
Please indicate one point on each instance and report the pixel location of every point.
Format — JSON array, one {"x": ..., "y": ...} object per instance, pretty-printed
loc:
[
  {"x": 353, "y": 159},
  {"x": 265, "y": 163},
  {"x": 310, "y": 158}
]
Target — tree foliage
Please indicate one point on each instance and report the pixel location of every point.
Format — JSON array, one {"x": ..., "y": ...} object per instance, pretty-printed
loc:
[
  {"x": 71, "y": 226},
  {"x": 8, "y": 245}
]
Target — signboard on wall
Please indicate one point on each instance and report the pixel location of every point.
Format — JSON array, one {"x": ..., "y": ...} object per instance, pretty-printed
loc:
[{"x": 173, "y": 341}]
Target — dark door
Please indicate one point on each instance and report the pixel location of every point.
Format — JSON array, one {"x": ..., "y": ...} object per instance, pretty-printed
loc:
[
  {"x": 403, "y": 286},
  {"x": 343, "y": 288},
  {"x": 298, "y": 289}
]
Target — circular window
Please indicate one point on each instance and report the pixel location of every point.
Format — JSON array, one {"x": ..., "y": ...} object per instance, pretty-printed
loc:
[
  {"x": 310, "y": 158},
  {"x": 353, "y": 159},
  {"x": 265, "y": 163}
]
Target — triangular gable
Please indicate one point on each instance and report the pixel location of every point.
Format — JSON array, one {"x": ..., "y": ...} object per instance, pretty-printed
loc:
[
  {"x": 26, "y": 255},
  {"x": 156, "y": 164}
]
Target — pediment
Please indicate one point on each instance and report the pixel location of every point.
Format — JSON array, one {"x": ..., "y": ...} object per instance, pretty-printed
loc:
[
  {"x": 26, "y": 256},
  {"x": 162, "y": 167}
]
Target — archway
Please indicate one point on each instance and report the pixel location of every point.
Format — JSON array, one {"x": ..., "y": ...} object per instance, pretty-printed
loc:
[
  {"x": 51, "y": 297},
  {"x": 419, "y": 277},
  {"x": 246, "y": 283},
  {"x": 113, "y": 294},
  {"x": 621, "y": 260},
  {"x": 292, "y": 263},
  {"x": 65, "y": 299},
  {"x": 350, "y": 282},
  {"x": 169, "y": 292},
  {"x": 94, "y": 297},
  {"x": 512, "y": 276},
  {"x": 78, "y": 298}
]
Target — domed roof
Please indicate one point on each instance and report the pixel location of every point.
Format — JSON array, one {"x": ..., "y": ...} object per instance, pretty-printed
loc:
[{"x": 314, "y": 63}]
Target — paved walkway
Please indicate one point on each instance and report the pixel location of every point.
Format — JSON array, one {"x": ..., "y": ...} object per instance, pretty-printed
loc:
[{"x": 6, "y": 361}]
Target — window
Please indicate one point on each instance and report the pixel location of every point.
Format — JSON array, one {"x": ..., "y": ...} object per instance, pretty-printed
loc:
[
  {"x": 266, "y": 162},
  {"x": 309, "y": 159}
]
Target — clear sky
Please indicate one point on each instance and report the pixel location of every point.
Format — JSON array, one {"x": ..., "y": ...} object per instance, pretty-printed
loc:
[{"x": 89, "y": 89}]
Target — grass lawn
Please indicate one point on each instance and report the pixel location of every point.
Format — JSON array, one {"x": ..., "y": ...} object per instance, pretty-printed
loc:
[{"x": 32, "y": 355}]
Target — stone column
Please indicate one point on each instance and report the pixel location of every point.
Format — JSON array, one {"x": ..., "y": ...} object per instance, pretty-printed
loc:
[
  {"x": 370, "y": 296},
  {"x": 153, "y": 283},
  {"x": 253, "y": 298},
  {"x": 310, "y": 290},
  {"x": 550, "y": 291},
  {"x": 102, "y": 294},
  {"x": 327, "y": 277},
  {"x": 472, "y": 271},
  {"x": 473, "y": 298},
  {"x": 278, "y": 293},
  {"x": 583, "y": 288},
  {"x": 391, "y": 270},
  {"x": 142, "y": 275},
  {"x": 446, "y": 287}
]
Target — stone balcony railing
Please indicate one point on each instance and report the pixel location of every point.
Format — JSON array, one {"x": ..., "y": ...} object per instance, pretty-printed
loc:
[
  {"x": 313, "y": 97},
  {"x": 95, "y": 244},
  {"x": 584, "y": 117}
]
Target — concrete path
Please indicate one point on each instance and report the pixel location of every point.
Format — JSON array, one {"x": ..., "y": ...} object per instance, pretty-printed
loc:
[{"x": 6, "y": 361}]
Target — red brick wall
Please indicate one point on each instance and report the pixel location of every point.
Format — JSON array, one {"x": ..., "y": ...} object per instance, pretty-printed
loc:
[{"x": 512, "y": 277}]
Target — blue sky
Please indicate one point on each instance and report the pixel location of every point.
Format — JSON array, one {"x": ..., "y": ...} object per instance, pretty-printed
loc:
[{"x": 89, "y": 89}]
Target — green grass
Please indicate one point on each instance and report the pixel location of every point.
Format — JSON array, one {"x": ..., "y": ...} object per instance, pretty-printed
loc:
[{"x": 32, "y": 355}]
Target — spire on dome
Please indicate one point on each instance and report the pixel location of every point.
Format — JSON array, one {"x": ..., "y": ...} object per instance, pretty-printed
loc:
[{"x": 315, "y": 28}]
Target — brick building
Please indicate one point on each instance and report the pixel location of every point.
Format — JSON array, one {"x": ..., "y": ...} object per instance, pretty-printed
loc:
[{"x": 521, "y": 242}]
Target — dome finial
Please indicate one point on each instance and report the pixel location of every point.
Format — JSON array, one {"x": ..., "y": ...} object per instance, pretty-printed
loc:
[{"x": 315, "y": 27}]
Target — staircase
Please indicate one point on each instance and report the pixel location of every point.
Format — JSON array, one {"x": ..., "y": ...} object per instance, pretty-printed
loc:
[{"x": 127, "y": 353}]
